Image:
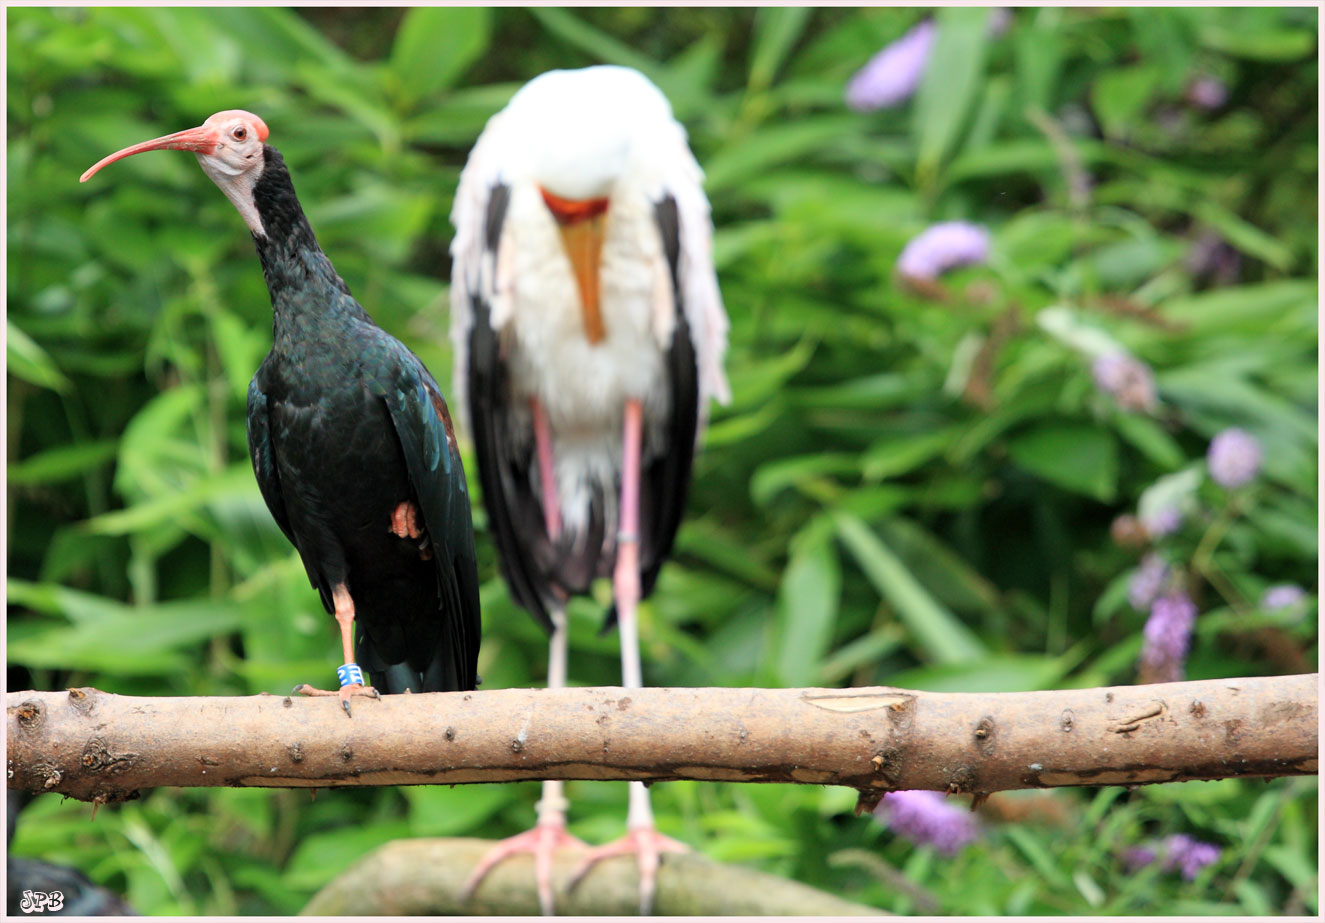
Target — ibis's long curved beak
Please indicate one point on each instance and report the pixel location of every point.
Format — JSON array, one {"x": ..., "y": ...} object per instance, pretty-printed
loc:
[{"x": 201, "y": 140}]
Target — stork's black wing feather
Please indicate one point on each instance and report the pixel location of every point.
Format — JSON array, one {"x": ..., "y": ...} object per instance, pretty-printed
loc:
[
  {"x": 514, "y": 512},
  {"x": 423, "y": 426},
  {"x": 513, "y": 509},
  {"x": 666, "y": 480}
]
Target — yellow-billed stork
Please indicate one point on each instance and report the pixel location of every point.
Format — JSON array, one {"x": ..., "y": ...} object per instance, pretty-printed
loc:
[{"x": 589, "y": 334}]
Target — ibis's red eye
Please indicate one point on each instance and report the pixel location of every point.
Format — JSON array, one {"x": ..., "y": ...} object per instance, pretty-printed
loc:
[{"x": 240, "y": 133}]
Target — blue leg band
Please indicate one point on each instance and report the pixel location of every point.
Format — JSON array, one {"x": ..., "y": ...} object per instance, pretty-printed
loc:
[{"x": 349, "y": 674}]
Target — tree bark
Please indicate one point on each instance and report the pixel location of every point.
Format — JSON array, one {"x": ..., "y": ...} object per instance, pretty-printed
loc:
[
  {"x": 100, "y": 747},
  {"x": 426, "y": 877}
]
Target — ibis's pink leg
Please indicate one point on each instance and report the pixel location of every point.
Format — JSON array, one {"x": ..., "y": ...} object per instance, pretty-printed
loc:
[
  {"x": 641, "y": 839},
  {"x": 549, "y": 834},
  {"x": 344, "y": 606}
]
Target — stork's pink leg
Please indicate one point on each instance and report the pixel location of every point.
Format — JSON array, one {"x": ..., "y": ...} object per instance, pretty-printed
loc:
[
  {"x": 547, "y": 476},
  {"x": 641, "y": 839},
  {"x": 344, "y": 605},
  {"x": 549, "y": 835}
]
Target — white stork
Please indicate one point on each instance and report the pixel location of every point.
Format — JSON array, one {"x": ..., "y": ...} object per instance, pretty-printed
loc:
[{"x": 589, "y": 334}]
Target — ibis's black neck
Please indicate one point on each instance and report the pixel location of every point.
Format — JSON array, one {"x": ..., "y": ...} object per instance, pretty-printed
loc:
[{"x": 291, "y": 258}]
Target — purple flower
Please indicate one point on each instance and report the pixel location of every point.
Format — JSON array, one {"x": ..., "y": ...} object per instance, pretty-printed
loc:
[
  {"x": 1206, "y": 92},
  {"x": 1135, "y": 857},
  {"x": 1147, "y": 582},
  {"x": 1129, "y": 381},
  {"x": 941, "y": 247},
  {"x": 1188, "y": 854},
  {"x": 1281, "y": 596},
  {"x": 1234, "y": 458},
  {"x": 925, "y": 818},
  {"x": 1167, "y": 634},
  {"x": 892, "y": 75}
]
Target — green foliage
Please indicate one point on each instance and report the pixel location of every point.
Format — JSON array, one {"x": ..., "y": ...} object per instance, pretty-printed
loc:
[{"x": 909, "y": 487}]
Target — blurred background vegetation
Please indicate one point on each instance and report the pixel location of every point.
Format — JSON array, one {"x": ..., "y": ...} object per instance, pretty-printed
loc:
[{"x": 910, "y": 487}]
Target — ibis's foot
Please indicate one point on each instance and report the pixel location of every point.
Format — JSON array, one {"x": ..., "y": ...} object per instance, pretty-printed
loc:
[
  {"x": 344, "y": 693},
  {"x": 406, "y": 521},
  {"x": 648, "y": 845},
  {"x": 541, "y": 843}
]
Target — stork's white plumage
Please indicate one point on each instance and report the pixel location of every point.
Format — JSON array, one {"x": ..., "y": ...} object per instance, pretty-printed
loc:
[{"x": 589, "y": 334}]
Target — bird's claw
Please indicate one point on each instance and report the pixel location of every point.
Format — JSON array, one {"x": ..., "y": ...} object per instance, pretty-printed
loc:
[
  {"x": 345, "y": 692},
  {"x": 540, "y": 842},
  {"x": 648, "y": 845}
]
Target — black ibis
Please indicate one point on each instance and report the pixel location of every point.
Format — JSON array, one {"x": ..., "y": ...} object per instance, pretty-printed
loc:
[
  {"x": 351, "y": 442},
  {"x": 589, "y": 334}
]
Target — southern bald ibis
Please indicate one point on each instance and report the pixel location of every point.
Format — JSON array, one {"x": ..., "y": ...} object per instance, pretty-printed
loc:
[
  {"x": 589, "y": 334},
  {"x": 350, "y": 440}
]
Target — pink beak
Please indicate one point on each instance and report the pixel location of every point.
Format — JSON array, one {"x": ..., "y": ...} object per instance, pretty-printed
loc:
[{"x": 200, "y": 140}]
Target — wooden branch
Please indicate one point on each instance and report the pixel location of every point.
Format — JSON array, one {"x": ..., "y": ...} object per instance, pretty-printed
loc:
[
  {"x": 425, "y": 877},
  {"x": 95, "y": 746}
]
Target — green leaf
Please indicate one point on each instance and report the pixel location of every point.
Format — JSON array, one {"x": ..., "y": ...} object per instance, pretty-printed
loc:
[
  {"x": 867, "y": 649},
  {"x": 1031, "y": 845},
  {"x": 594, "y": 41},
  {"x": 951, "y": 83},
  {"x": 1120, "y": 95},
  {"x": 1244, "y": 235},
  {"x": 1076, "y": 457},
  {"x": 1150, "y": 438},
  {"x": 807, "y": 604},
  {"x": 1246, "y": 307},
  {"x": 28, "y": 361},
  {"x": 938, "y": 631},
  {"x": 320, "y": 857},
  {"x": 122, "y": 640},
  {"x": 776, "y": 29},
  {"x": 435, "y": 44},
  {"x": 898, "y": 454},
  {"x": 62, "y": 463},
  {"x": 235, "y": 481},
  {"x": 1274, "y": 44},
  {"x": 771, "y": 478},
  {"x": 437, "y": 810},
  {"x": 772, "y": 144}
]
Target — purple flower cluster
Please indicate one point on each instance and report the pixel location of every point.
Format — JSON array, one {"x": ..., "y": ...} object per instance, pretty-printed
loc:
[
  {"x": 1147, "y": 582},
  {"x": 1281, "y": 596},
  {"x": 1128, "y": 380},
  {"x": 1190, "y": 855},
  {"x": 892, "y": 75},
  {"x": 1166, "y": 637},
  {"x": 1206, "y": 92},
  {"x": 1180, "y": 851},
  {"x": 941, "y": 247},
  {"x": 1234, "y": 458},
  {"x": 926, "y": 819}
]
